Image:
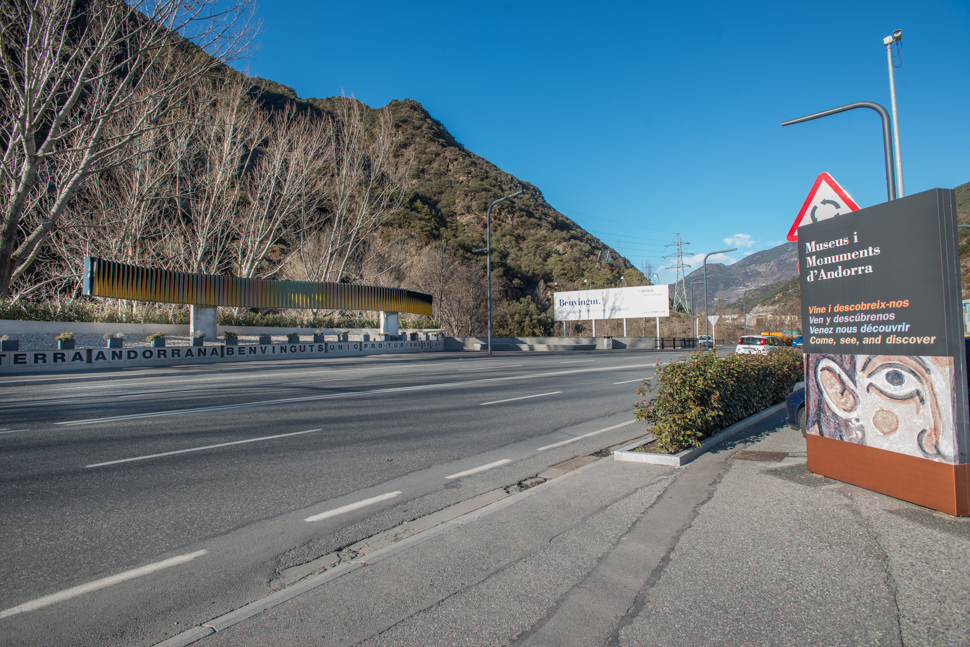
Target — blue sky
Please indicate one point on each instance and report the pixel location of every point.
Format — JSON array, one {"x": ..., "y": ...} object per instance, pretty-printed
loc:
[{"x": 642, "y": 120}]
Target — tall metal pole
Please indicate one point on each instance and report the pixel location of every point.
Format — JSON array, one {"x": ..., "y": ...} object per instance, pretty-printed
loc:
[
  {"x": 692, "y": 313},
  {"x": 706, "y": 315},
  {"x": 488, "y": 262},
  {"x": 887, "y": 143},
  {"x": 888, "y": 42},
  {"x": 744, "y": 309},
  {"x": 658, "y": 316}
]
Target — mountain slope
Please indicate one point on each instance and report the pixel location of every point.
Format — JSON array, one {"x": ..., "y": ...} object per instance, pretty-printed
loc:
[{"x": 727, "y": 283}]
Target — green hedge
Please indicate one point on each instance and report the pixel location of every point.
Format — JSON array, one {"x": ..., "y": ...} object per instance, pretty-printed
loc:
[{"x": 697, "y": 397}]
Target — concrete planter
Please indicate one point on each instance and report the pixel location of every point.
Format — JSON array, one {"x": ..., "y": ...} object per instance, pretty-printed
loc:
[
  {"x": 116, "y": 342},
  {"x": 265, "y": 340},
  {"x": 682, "y": 458},
  {"x": 10, "y": 345},
  {"x": 318, "y": 339},
  {"x": 67, "y": 344},
  {"x": 158, "y": 342},
  {"x": 199, "y": 341},
  {"x": 230, "y": 341}
]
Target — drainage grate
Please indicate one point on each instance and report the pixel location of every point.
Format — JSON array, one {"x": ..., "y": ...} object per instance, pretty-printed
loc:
[
  {"x": 574, "y": 463},
  {"x": 755, "y": 455}
]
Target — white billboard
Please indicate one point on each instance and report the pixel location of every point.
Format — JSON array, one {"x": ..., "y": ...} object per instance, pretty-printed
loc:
[{"x": 616, "y": 303}]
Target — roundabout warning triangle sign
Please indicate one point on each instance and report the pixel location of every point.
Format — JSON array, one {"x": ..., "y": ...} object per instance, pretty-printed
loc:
[{"x": 826, "y": 200}]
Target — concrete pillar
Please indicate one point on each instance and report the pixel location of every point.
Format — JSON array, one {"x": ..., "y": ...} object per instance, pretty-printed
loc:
[
  {"x": 204, "y": 318},
  {"x": 389, "y": 323}
]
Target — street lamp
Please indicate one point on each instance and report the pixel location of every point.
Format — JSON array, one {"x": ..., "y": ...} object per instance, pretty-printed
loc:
[
  {"x": 706, "y": 320},
  {"x": 888, "y": 42},
  {"x": 887, "y": 144},
  {"x": 692, "y": 314},
  {"x": 488, "y": 262},
  {"x": 744, "y": 309},
  {"x": 658, "y": 316}
]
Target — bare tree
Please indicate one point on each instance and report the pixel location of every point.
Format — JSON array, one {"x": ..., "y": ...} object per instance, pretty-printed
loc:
[
  {"x": 363, "y": 183},
  {"x": 282, "y": 186},
  {"x": 67, "y": 69},
  {"x": 457, "y": 291}
]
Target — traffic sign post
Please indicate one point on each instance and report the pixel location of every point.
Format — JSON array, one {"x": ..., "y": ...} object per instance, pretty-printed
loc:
[
  {"x": 826, "y": 200},
  {"x": 713, "y": 319}
]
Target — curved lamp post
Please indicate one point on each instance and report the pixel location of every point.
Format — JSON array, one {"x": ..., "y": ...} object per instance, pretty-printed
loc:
[
  {"x": 488, "y": 262},
  {"x": 692, "y": 313},
  {"x": 744, "y": 309},
  {"x": 707, "y": 321},
  {"x": 886, "y": 137}
]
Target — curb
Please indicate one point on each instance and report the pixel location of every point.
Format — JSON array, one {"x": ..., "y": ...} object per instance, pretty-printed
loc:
[{"x": 686, "y": 456}]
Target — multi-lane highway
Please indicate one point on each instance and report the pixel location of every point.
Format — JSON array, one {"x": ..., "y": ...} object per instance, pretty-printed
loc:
[{"x": 134, "y": 507}]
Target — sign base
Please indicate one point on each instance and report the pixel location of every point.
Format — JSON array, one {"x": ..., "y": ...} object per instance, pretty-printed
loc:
[{"x": 938, "y": 486}]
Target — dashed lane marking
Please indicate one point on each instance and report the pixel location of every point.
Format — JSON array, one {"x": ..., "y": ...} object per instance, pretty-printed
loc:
[
  {"x": 74, "y": 592},
  {"x": 476, "y": 470},
  {"x": 352, "y": 506}
]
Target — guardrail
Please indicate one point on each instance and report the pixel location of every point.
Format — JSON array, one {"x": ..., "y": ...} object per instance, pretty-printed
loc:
[{"x": 677, "y": 342}]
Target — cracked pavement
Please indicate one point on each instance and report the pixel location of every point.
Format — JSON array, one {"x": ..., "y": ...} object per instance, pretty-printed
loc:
[{"x": 722, "y": 551}]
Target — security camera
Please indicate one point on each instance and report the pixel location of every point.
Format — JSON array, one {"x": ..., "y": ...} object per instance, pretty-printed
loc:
[{"x": 898, "y": 34}]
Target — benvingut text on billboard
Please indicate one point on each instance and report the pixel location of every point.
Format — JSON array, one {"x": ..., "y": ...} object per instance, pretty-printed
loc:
[{"x": 885, "y": 369}]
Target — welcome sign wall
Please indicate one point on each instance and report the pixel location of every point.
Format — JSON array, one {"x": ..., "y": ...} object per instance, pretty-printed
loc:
[{"x": 885, "y": 371}]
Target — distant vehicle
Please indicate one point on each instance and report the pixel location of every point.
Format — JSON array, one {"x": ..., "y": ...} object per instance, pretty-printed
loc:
[
  {"x": 795, "y": 406},
  {"x": 705, "y": 341},
  {"x": 797, "y": 342},
  {"x": 758, "y": 345}
]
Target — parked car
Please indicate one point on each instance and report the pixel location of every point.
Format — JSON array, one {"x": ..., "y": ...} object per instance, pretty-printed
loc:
[
  {"x": 795, "y": 406},
  {"x": 797, "y": 342},
  {"x": 758, "y": 345},
  {"x": 705, "y": 341}
]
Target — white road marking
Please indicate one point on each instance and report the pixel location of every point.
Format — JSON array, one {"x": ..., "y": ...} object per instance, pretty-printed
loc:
[
  {"x": 353, "y": 506},
  {"x": 592, "y": 433},
  {"x": 639, "y": 379},
  {"x": 577, "y": 361},
  {"x": 476, "y": 470},
  {"x": 351, "y": 394},
  {"x": 199, "y": 449},
  {"x": 142, "y": 395},
  {"x": 482, "y": 368},
  {"x": 67, "y": 594},
  {"x": 11, "y": 431},
  {"x": 524, "y": 397}
]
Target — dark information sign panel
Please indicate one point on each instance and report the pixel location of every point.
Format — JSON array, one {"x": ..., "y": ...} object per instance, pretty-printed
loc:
[
  {"x": 883, "y": 329},
  {"x": 883, "y": 280}
]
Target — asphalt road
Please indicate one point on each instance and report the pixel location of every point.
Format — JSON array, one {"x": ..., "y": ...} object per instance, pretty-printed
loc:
[{"x": 219, "y": 481}]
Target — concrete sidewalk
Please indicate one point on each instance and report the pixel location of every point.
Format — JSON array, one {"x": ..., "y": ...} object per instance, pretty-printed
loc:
[{"x": 725, "y": 551}]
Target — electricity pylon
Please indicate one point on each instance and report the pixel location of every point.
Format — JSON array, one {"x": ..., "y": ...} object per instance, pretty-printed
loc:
[{"x": 680, "y": 289}]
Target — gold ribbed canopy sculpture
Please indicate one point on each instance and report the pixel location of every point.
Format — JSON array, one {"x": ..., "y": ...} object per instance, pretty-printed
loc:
[{"x": 122, "y": 281}]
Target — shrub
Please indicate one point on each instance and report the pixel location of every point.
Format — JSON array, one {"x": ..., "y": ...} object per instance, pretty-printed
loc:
[
  {"x": 113, "y": 335},
  {"x": 198, "y": 334},
  {"x": 4, "y": 337},
  {"x": 230, "y": 334},
  {"x": 699, "y": 396},
  {"x": 154, "y": 336},
  {"x": 293, "y": 337},
  {"x": 65, "y": 336}
]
